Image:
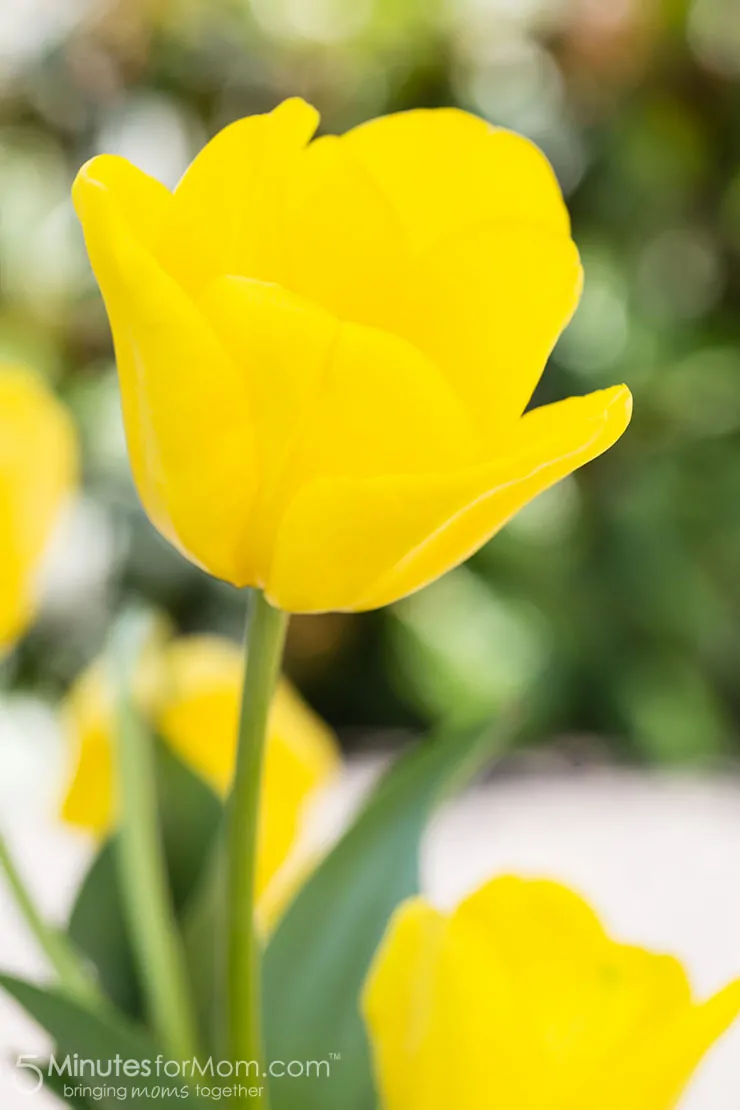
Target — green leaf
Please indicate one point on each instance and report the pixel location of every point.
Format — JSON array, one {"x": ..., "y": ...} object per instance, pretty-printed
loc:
[
  {"x": 104, "y": 1038},
  {"x": 190, "y": 814},
  {"x": 317, "y": 960},
  {"x": 201, "y": 926},
  {"x": 98, "y": 928}
]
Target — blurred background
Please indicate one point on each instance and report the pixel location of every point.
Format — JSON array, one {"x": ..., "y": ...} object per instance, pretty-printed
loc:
[
  {"x": 611, "y": 605},
  {"x": 614, "y": 600}
]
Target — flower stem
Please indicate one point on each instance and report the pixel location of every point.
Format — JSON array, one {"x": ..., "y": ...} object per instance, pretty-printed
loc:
[
  {"x": 264, "y": 648},
  {"x": 152, "y": 924},
  {"x": 74, "y": 977}
]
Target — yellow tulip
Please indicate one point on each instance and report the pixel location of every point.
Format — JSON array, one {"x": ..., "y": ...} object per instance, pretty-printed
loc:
[
  {"x": 520, "y": 1000},
  {"x": 38, "y": 469},
  {"x": 190, "y": 690},
  {"x": 325, "y": 348}
]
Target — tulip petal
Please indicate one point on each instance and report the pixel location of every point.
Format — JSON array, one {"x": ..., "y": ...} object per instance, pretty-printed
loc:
[
  {"x": 143, "y": 202},
  {"x": 90, "y": 718},
  {"x": 89, "y": 713},
  {"x": 332, "y": 399},
  {"x": 227, "y": 211},
  {"x": 383, "y": 408},
  {"x": 581, "y": 1000},
  {"x": 344, "y": 247},
  {"x": 190, "y": 692},
  {"x": 519, "y": 998},
  {"x": 444, "y": 169},
  {"x": 398, "y": 1004},
  {"x": 654, "y": 1071},
  {"x": 489, "y": 307},
  {"x": 521, "y": 915},
  {"x": 38, "y": 469},
  {"x": 353, "y": 544},
  {"x": 281, "y": 343},
  {"x": 302, "y": 757},
  {"x": 199, "y": 719},
  {"x": 185, "y": 404}
]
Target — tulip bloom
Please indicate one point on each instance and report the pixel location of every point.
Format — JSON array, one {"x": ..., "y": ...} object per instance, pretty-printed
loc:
[
  {"x": 189, "y": 691},
  {"x": 520, "y": 1000},
  {"x": 38, "y": 469},
  {"x": 325, "y": 348}
]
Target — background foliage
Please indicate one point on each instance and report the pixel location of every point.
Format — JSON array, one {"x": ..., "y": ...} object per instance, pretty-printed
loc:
[{"x": 613, "y": 602}]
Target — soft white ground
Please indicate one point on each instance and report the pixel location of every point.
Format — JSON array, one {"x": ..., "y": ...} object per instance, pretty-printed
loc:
[{"x": 659, "y": 857}]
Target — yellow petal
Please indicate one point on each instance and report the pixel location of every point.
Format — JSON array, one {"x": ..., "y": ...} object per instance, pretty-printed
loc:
[
  {"x": 197, "y": 708},
  {"x": 227, "y": 213},
  {"x": 143, "y": 203},
  {"x": 185, "y": 404},
  {"x": 190, "y": 692},
  {"x": 89, "y": 717},
  {"x": 489, "y": 307},
  {"x": 38, "y": 470},
  {"x": 576, "y": 998},
  {"x": 399, "y": 1003},
  {"x": 199, "y": 717},
  {"x": 520, "y": 999},
  {"x": 343, "y": 244},
  {"x": 383, "y": 408},
  {"x": 88, "y": 712},
  {"x": 281, "y": 344},
  {"x": 331, "y": 399},
  {"x": 656, "y": 1070},
  {"x": 301, "y": 758},
  {"x": 444, "y": 169},
  {"x": 354, "y": 544},
  {"x": 520, "y": 916}
]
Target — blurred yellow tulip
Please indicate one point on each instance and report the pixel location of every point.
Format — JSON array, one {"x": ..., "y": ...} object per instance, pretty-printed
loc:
[
  {"x": 189, "y": 690},
  {"x": 325, "y": 348},
  {"x": 520, "y": 1000},
  {"x": 38, "y": 471}
]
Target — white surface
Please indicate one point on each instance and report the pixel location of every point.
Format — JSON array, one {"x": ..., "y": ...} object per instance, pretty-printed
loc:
[{"x": 659, "y": 858}]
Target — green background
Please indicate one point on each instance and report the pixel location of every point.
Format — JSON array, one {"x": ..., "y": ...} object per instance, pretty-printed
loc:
[{"x": 612, "y": 604}]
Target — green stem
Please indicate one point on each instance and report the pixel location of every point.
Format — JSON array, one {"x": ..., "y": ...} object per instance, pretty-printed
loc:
[
  {"x": 74, "y": 977},
  {"x": 152, "y": 924},
  {"x": 264, "y": 648}
]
